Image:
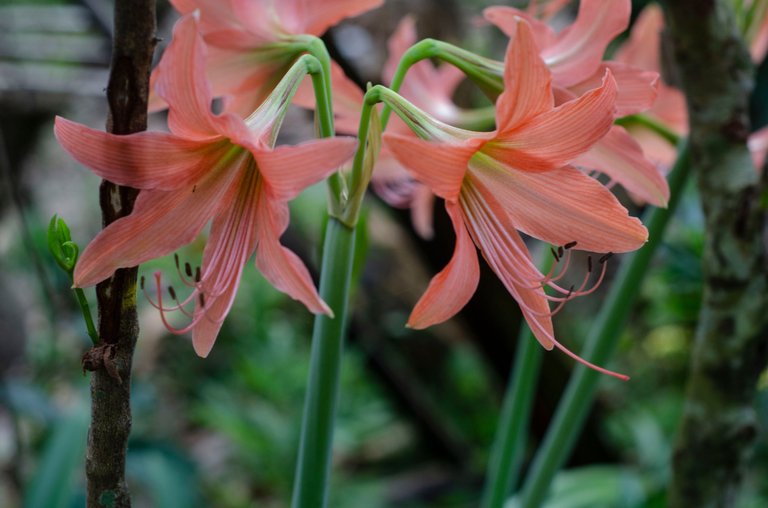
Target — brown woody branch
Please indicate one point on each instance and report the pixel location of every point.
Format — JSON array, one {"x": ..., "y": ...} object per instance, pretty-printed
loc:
[{"x": 127, "y": 94}]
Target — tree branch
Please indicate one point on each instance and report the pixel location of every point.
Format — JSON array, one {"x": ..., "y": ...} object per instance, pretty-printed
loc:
[
  {"x": 731, "y": 349},
  {"x": 127, "y": 94}
]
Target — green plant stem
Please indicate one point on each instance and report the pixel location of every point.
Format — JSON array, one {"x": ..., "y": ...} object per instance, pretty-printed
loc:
[
  {"x": 512, "y": 427},
  {"x": 324, "y": 98},
  {"x": 486, "y": 73},
  {"x": 651, "y": 124},
  {"x": 605, "y": 333},
  {"x": 313, "y": 466},
  {"x": 86, "y": 310}
]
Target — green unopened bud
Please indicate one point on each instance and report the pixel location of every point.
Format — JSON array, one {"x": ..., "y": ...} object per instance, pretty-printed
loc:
[{"x": 60, "y": 243}]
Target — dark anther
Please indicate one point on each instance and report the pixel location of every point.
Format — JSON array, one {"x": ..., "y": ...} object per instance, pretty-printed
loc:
[
  {"x": 197, "y": 274},
  {"x": 176, "y": 260},
  {"x": 554, "y": 255},
  {"x": 560, "y": 252},
  {"x": 570, "y": 291},
  {"x": 589, "y": 264},
  {"x": 172, "y": 292},
  {"x": 569, "y": 245},
  {"x": 606, "y": 257},
  {"x": 188, "y": 269},
  {"x": 141, "y": 283},
  {"x": 202, "y": 300}
]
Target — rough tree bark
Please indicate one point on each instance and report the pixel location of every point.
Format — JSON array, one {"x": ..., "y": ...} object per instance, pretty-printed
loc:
[
  {"x": 719, "y": 425},
  {"x": 110, "y": 361}
]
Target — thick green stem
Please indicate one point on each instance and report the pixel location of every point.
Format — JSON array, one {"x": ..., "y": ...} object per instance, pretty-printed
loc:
[
  {"x": 605, "y": 333},
  {"x": 313, "y": 467},
  {"x": 324, "y": 98},
  {"x": 512, "y": 428}
]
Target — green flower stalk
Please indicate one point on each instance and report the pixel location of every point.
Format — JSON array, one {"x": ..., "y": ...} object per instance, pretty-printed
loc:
[{"x": 65, "y": 252}]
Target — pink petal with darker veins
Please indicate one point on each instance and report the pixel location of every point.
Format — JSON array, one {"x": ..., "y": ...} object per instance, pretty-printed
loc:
[
  {"x": 440, "y": 166},
  {"x": 450, "y": 290},
  {"x": 620, "y": 157},
  {"x": 527, "y": 82},
  {"x": 161, "y": 223},
  {"x": 182, "y": 83},
  {"x": 580, "y": 48},
  {"x": 288, "y": 170},
  {"x": 554, "y": 138},
  {"x": 145, "y": 160},
  {"x": 281, "y": 267},
  {"x": 562, "y": 206}
]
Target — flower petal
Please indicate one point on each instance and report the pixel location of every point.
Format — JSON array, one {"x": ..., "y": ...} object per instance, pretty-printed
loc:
[
  {"x": 161, "y": 222},
  {"x": 562, "y": 206},
  {"x": 758, "y": 147},
  {"x": 508, "y": 257},
  {"x": 527, "y": 82},
  {"x": 288, "y": 170},
  {"x": 580, "y": 48},
  {"x": 643, "y": 48},
  {"x": 450, "y": 290},
  {"x": 206, "y": 330},
  {"x": 506, "y": 254},
  {"x": 505, "y": 18},
  {"x": 281, "y": 267},
  {"x": 231, "y": 242},
  {"x": 145, "y": 160},
  {"x": 636, "y": 89},
  {"x": 422, "y": 211},
  {"x": 181, "y": 82},
  {"x": 313, "y": 17},
  {"x": 621, "y": 158},
  {"x": 440, "y": 166},
  {"x": 552, "y": 139}
]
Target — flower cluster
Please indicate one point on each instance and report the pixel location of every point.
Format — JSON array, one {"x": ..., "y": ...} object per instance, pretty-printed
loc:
[{"x": 534, "y": 169}]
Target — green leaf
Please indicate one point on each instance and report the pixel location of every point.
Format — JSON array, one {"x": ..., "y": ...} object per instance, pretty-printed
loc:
[
  {"x": 52, "y": 485},
  {"x": 594, "y": 487}
]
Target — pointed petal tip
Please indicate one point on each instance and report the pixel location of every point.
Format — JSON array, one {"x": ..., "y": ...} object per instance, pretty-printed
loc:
[
  {"x": 325, "y": 309},
  {"x": 202, "y": 349}
]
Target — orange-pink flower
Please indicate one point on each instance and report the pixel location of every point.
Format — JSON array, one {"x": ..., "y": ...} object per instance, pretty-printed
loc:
[
  {"x": 253, "y": 42},
  {"x": 216, "y": 168},
  {"x": 575, "y": 57},
  {"x": 518, "y": 178},
  {"x": 643, "y": 50},
  {"x": 431, "y": 89}
]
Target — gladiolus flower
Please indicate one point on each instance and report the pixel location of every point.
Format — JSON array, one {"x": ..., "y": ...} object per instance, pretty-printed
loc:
[
  {"x": 253, "y": 42},
  {"x": 575, "y": 58},
  {"x": 210, "y": 167},
  {"x": 518, "y": 178}
]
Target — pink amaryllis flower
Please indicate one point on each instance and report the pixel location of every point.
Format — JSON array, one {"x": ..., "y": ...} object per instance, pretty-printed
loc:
[
  {"x": 253, "y": 42},
  {"x": 575, "y": 57},
  {"x": 643, "y": 50},
  {"x": 431, "y": 89},
  {"x": 210, "y": 167},
  {"x": 518, "y": 178}
]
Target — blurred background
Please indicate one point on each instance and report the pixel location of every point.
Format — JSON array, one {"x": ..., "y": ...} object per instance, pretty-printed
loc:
[{"x": 418, "y": 409}]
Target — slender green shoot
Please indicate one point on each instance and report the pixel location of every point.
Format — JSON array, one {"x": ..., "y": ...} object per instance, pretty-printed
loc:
[
  {"x": 512, "y": 427},
  {"x": 65, "y": 252}
]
